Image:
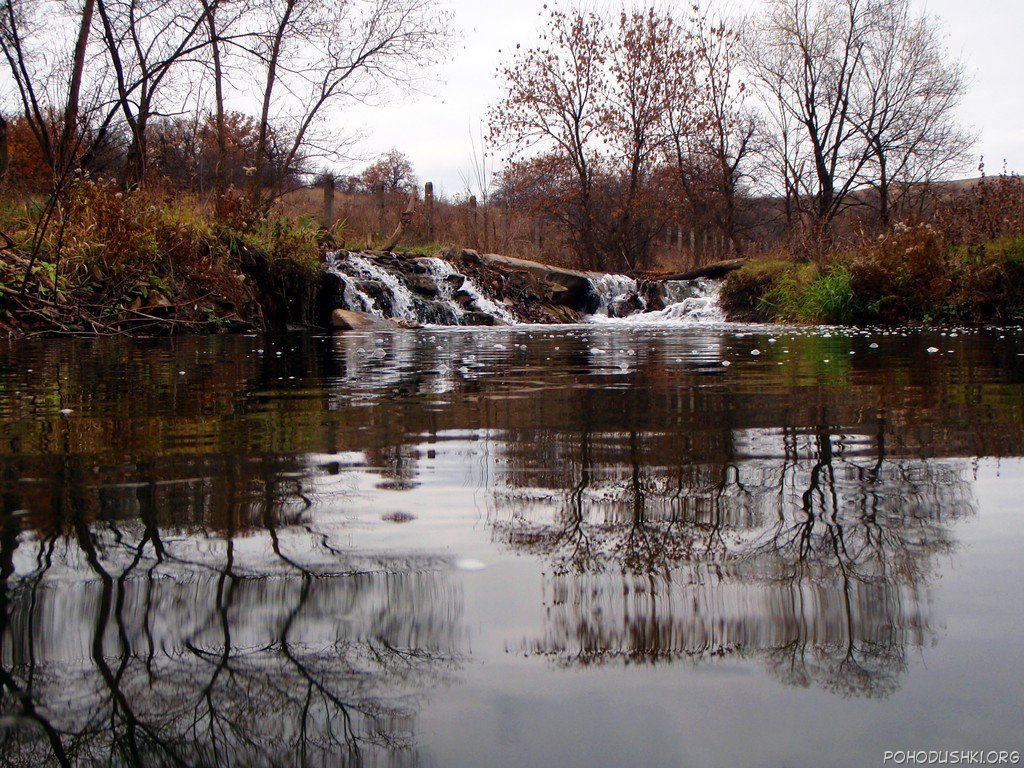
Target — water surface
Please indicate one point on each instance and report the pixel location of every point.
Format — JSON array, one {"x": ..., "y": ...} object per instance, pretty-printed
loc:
[{"x": 568, "y": 546}]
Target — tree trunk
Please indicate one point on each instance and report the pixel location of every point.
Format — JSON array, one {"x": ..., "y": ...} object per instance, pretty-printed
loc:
[
  {"x": 135, "y": 165},
  {"x": 268, "y": 90},
  {"x": 5, "y": 158},
  {"x": 884, "y": 214},
  {"x": 67, "y": 137},
  {"x": 220, "y": 170}
]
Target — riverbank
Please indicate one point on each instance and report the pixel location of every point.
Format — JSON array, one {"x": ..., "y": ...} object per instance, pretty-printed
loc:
[
  {"x": 142, "y": 264},
  {"x": 911, "y": 276},
  {"x": 115, "y": 263}
]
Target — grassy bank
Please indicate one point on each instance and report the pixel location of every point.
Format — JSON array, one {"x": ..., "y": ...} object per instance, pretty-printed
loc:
[
  {"x": 113, "y": 262},
  {"x": 910, "y": 276}
]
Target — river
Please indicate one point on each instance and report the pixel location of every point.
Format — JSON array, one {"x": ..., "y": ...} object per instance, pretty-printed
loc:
[{"x": 610, "y": 544}]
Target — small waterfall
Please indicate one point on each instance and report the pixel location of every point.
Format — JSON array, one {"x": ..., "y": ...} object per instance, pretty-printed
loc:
[
  {"x": 432, "y": 291},
  {"x": 690, "y": 301},
  {"x": 617, "y": 296},
  {"x": 443, "y": 272},
  {"x": 685, "y": 301},
  {"x": 355, "y": 298},
  {"x": 403, "y": 305},
  {"x": 394, "y": 291}
]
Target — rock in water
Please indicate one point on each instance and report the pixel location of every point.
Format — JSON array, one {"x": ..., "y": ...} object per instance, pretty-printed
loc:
[
  {"x": 565, "y": 287},
  {"x": 478, "y": 318},
  {"x": 654, "y": 294},
  {"x": 423, "y": 285},
  {"x": 348, "y": 320},
  {"x": 626, "y": 307}
]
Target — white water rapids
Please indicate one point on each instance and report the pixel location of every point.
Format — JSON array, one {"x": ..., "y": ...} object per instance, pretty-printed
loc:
[{"x": 433, "y": 292}]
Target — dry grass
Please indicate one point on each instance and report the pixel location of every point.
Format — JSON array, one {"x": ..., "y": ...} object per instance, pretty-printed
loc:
[{"x": 363, "y": 221}]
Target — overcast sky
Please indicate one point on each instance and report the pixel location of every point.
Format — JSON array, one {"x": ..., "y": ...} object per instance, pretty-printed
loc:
[{"x": 434, "y": 128}]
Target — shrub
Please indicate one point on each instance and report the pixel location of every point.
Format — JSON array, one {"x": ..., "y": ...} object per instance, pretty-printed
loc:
[
  {"x": 744, "y": 291},
  {"x": 904, "y": 276}
]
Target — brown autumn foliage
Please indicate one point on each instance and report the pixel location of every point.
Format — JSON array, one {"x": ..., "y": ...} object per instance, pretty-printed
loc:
[
  {"x": 991, "y": 208},
  {"x": 646, "y": 119},
  {"x": 962, "y": 263},
  {"x": 28, "y": 173},
  {"x": 627, "y": 133},
  {"x": 184, "y": 154},
  {"x": 391, "y": 172}
]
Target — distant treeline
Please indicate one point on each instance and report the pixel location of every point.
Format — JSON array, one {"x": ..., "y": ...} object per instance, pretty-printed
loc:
[
  {"x": 626, "y": 141},
  {"x": 140, "y": 91},
  {"x": 644, "y": 128}
]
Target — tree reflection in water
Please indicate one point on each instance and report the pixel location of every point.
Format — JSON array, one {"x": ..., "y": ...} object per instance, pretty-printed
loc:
[
  {"x": 810, "y": 550},
  {"x": 171, "y": 592},
  {"x": 122, "y": 648}
]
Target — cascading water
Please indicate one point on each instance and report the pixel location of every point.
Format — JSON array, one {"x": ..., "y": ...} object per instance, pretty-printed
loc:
[
  {"x": 685, "y": 301},
  {"x": 443, "y": 296},
  {"x": 617, "y": 296},
  {"x": 403, "y": 304},
  {"x": 690, "y": 301},
  {"x": 432, "y": 291},
  {"x": 443, "y": 274}
]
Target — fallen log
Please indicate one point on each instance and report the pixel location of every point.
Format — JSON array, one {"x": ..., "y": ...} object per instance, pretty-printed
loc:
[{"x": 716, "y": 270}]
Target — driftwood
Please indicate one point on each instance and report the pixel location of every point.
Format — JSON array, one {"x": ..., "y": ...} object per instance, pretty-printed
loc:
[{"x": 716, "y": 270}]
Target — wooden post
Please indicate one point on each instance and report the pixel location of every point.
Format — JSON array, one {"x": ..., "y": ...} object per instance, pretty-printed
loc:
[
  {"x": 378, "y": 194},
  {"x": 328, "y": 221},
  {"x": 428, "y": 201},
  {"x": 473, "y": 221}
]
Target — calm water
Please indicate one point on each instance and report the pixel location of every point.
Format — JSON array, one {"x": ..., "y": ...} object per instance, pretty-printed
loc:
[{"x": 519, "y": 547}]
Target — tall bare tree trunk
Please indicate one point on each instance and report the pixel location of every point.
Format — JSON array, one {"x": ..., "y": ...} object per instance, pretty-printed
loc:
[
  {"x": 5, "y": 158},
  {"x": 268, "y": 92},
  {"x": 220, "y": 169},
  {"x": 67, "y": 136},
  {"x": 135, "y": 164},
  {"x": 884, "y": 212}
]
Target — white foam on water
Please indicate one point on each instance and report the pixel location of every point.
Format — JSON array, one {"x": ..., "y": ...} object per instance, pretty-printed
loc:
[
  {"x": 403, "y": 306},
  {"x": 696, "y": 301}
]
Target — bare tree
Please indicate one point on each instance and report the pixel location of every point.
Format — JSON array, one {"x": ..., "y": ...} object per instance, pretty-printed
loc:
[
  {"x": 21, "y": 29},
  {"x": 649, "y": 57},
  {"x": 72, "y": 107},
  {"x": 731, "y": 130},
  {"x": 214, "y": 32},
  {"x": 317, "y": 55},
  {"x": 552, "y": 104},
  {"x": 808, "y": 57},
  {"x": 911, "y": 89},
  {"x": 145, "y": 40}
]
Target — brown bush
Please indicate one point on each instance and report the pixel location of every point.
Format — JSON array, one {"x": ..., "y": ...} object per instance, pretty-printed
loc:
[
  {"x": 904, "y": 275},
  {"x": 29, "y": 172},
  {"x": 989, "y": 209}
]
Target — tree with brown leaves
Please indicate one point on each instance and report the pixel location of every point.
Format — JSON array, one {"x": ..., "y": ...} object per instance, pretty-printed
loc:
[{"x": 553, "y": 104}]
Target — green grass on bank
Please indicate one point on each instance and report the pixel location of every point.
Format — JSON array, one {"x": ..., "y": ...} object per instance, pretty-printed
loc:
[{"x": 907, "y": 277}]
